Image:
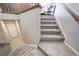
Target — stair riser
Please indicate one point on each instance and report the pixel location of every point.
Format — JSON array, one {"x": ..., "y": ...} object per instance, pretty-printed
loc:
[
  {"x": 47, "y": 19},
  {"x": 52, "y": 39},
  {"x": 48, "y": 22},
  {"x": 49, "y": 27},
  {"x": 50, "y": 32}
]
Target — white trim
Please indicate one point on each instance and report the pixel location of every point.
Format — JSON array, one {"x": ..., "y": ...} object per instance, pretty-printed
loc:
[
  {"x": 61, "y": 28},
  {"x": 72, "y": 48},
  {"x": 32, "y": 45},
  {"x": 66, "y": 38}
]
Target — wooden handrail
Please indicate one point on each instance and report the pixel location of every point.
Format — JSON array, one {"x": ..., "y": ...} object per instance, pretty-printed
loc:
[
  {"x": 75, "y": 16},
  {"x": 31, "y": 8}
]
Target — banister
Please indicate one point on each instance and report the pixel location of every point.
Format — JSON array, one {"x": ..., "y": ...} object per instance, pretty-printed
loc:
[
  {"x": 31, "y": 8},
  {"x": 74, "y": 15}
]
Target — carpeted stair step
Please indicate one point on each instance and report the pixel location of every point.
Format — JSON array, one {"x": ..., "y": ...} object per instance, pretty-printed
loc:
[
  {"x": 50, "y": 31},
  {"x": 47, "y": 16},
  {"x": 53, "y": 38},
  {"x": 48, "y": 22},
  {"x": 49, "y": 26}
]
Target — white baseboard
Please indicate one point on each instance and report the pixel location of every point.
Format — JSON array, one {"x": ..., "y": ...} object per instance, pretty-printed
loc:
[
  {"x": 72, "y": 48},
  {"x": 58, "y": 22}
]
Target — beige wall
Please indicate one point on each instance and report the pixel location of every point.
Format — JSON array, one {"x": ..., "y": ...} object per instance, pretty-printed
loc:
[
  {"x": 30, "y": 26},
  {"x": 3, "y": 38}
]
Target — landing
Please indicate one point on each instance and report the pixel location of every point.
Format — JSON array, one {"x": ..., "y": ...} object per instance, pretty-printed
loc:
[{"x": 56, "y": 49}]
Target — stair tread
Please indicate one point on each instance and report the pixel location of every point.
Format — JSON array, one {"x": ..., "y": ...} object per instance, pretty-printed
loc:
[
  {"x": 52, "y": 36},
  {"x": 56, "y": 30},
  {"x": 48, "y": 24},
  {"x": 48, "y": 21},
  {"x": 46, "y": 16},
  {"x": 56, "y": 49}
]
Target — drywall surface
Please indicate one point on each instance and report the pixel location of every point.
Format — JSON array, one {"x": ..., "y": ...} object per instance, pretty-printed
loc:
[
  {"x": 74, "y": 7},
  {"x": 69, "y": 26},
  {"x": 3, "y": 38},
  {"x": 30, "y": 26}
]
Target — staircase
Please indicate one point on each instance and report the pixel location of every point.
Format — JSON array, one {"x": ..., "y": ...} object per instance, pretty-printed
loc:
[
  {"x": 52, "y": 39},
  {"x": 50, "y": 30},
  {"x": 51, "y": 43}
]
